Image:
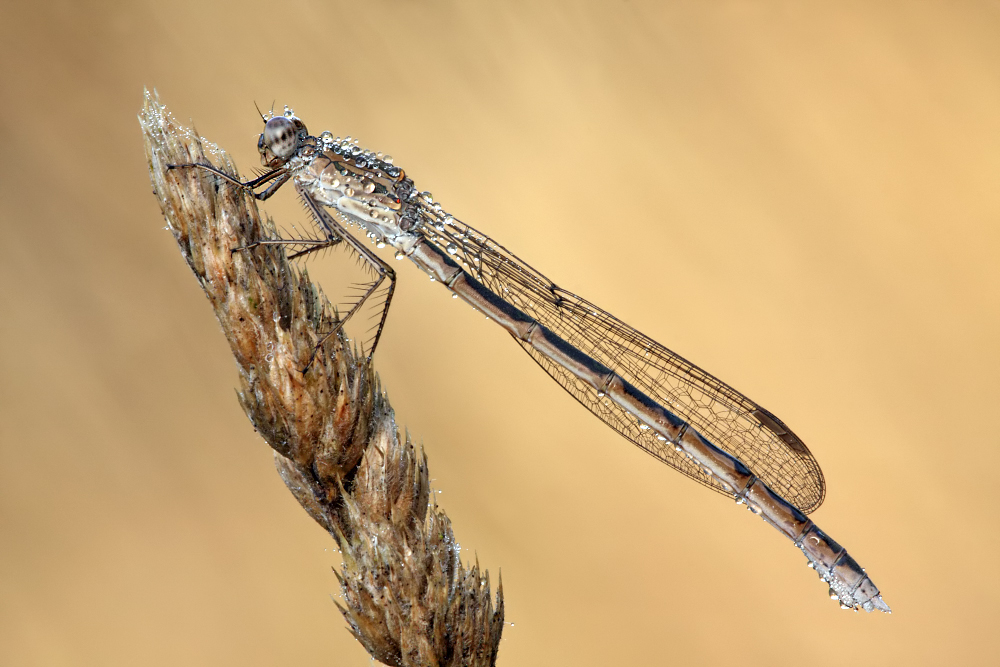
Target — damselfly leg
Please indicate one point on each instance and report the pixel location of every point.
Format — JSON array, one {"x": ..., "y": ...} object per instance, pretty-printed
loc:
[
  {"x": 281, "y": 174},
  {"x": 334, "y": 233},
  {"x": 384, "y": 272}
]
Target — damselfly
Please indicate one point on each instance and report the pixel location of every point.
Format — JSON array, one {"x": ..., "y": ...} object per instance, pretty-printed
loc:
[{"x": 670, "y": 408}]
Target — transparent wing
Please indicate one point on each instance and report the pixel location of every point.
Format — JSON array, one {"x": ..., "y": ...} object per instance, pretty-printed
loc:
[{"x": 726, "y": 417}]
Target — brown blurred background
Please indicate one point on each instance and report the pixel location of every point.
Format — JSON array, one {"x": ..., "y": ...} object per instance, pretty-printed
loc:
[{"x": 800, "y": 197}]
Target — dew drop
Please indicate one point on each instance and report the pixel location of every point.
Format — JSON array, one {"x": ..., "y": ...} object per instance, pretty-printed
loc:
[
  {"x": 754, "y": 508},
  {"x": 452, "y": 249},
  {"x": 643, "y": 427},
  {"x": 454, "y": 296},
  {"x": 349, "y": 192},
  {"x": 380, "y": 244},
  {"x": 369, "y": 187},
  {"x": 288, "y": 112},
  {"x": 387, "y": 159},
  {"x": 399, "y": 254},
  {"x": 269, "y": 357},
  {"x": 660, "y": 438}
]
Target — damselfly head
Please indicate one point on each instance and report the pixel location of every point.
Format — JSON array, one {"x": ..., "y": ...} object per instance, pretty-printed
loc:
[{"x": 282, "y": 137}]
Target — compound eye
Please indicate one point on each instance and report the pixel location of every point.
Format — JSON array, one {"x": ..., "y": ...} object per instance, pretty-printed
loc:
[
  {"x": 281, "y": 137},
  {"x": 300, "y": 129}
]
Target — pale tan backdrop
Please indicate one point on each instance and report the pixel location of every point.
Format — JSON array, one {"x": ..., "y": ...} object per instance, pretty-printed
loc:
[{"x": 801, "y": 198}]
